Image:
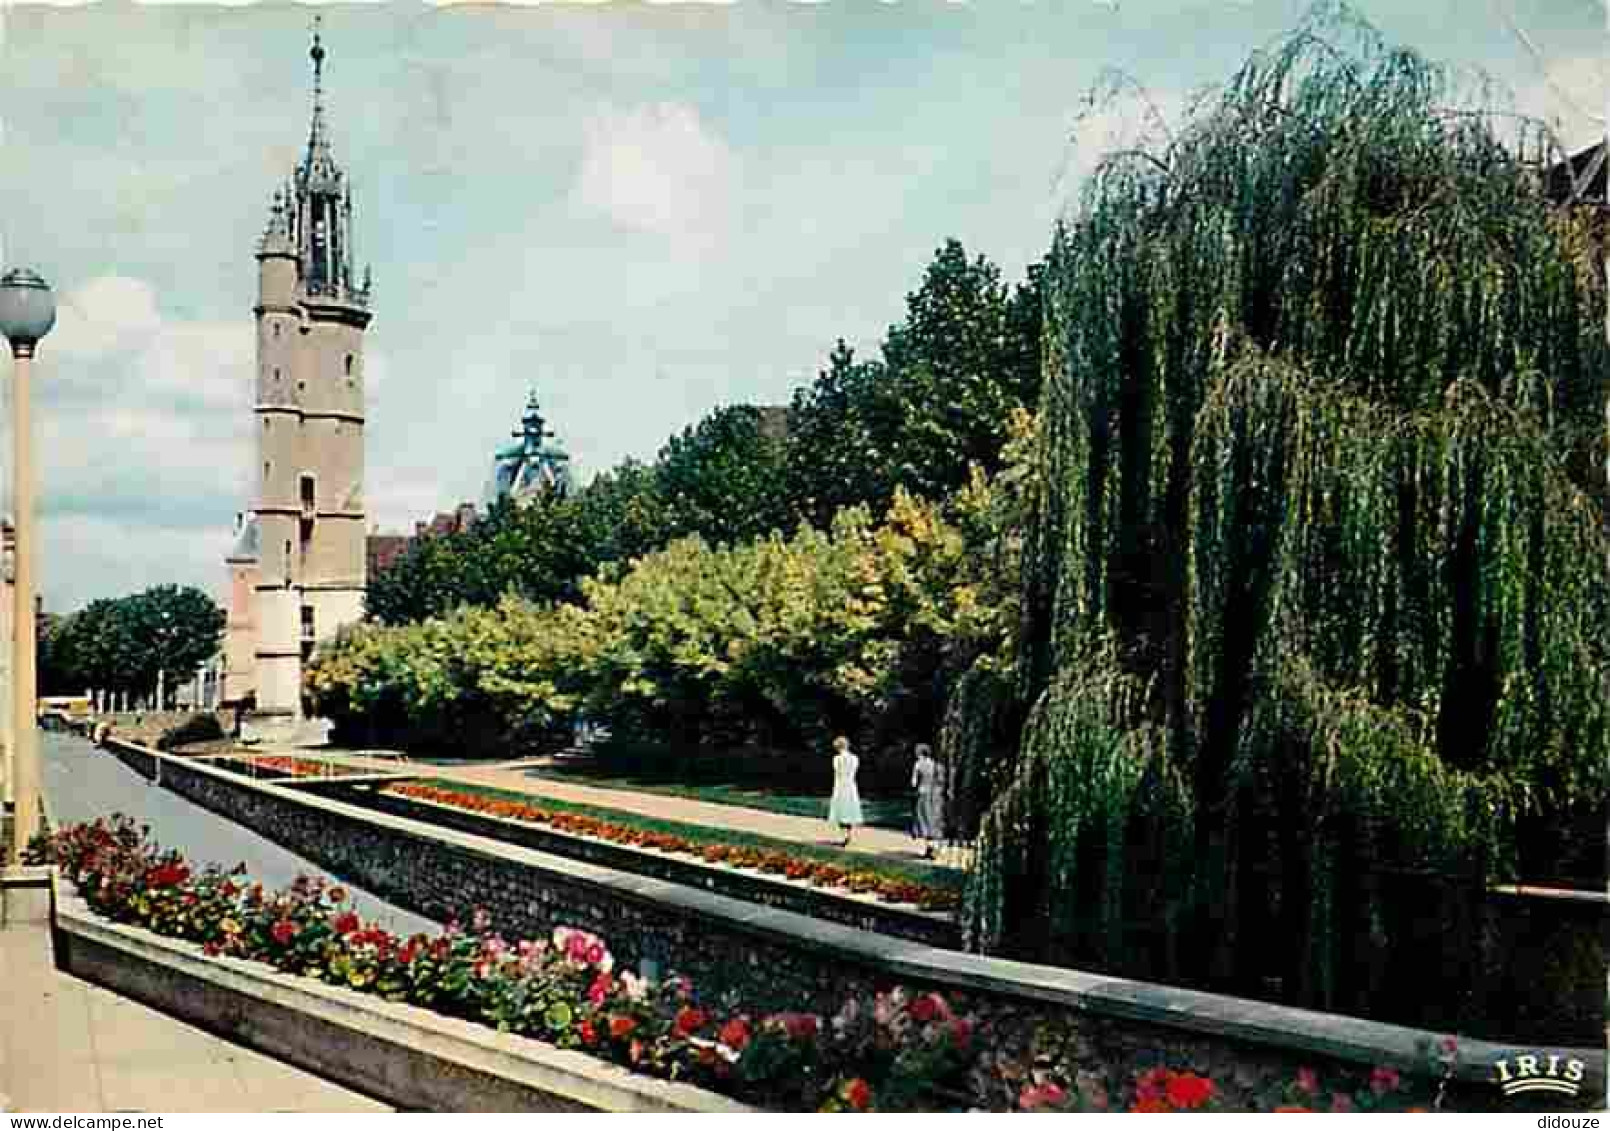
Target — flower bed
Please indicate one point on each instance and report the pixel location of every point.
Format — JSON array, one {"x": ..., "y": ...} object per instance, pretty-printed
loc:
[
  {"x": 289, "y": 766},
  {"x": 894, "y": 1051},
  {"x": 769, "y": 861}
]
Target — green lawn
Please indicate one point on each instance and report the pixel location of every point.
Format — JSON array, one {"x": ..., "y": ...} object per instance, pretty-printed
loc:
[
  {"x": 911, "y": 871},
  {"x": 880, "y": 812}
]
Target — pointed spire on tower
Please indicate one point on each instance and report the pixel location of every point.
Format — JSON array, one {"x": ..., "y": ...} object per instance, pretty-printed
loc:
[{"x": 318, "y": 167}]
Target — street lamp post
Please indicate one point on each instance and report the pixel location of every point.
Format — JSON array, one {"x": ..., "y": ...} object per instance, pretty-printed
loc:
[{"x": 27, "y": 312}]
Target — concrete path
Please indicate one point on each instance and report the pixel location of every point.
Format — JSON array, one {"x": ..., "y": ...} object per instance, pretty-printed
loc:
[
  {"x": 68, "y": 1046},
  {"x": 780, "y": 826}
]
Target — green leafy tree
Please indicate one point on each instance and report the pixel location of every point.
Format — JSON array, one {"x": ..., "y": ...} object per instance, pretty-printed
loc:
[
  {"x": 531, "y": 549},
  {"x": 720, "y": 478},
  {"x": 833, "y": 455},
  {"x": 123, "y": 644},
  {"x": 621, "y": 514},
  {"x": 966, "y": 357},
  {"x": 939, "y": 400}
]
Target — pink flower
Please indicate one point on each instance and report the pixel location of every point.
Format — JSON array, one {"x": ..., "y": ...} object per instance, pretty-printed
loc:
[
  {"x": 1045, "y": 1095},
  {"x": 1384, "y": 1080},
  {"x": 1308, "y": 1081},
  {"x": 1341, "y": 1102},
  {"x": 283, "y": 931},
  {"x": 599, "y": 990}
]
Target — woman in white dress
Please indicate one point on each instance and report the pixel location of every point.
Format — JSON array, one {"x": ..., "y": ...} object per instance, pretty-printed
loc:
[
  {"x": 928, "y": 779},
  {"x": 844, "y": 807}
]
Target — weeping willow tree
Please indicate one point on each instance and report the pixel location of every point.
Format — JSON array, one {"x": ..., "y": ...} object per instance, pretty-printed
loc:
[{"x": 1314, "y": 593}]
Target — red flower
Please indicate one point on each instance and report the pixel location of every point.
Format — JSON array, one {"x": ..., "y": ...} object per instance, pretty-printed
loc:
[
  {"x": 599, "y": 989},
  {"x": 801, "y": 1026},
  {"x": 346, "y": 923},
  {"x": 283, "y": 931},
  {"x": 922, "y": 1008},
  {"x": 588, "y": 1033},
  {"x": 858, "y": 1093},
  {"x": 1384, "y": 1080},
  {"x": 689, "y": 1020},
  {"x": 1150, "y": 1105},
  {"x": 961, "y": 1033},
  {"x": 620, "y": 1027},
  {"x": 1188, "y": 1090},
  {"x": 167, "y": 876},
  {"x": 734, "y": 1034},
  {"x": 1046, "y": 1095}
]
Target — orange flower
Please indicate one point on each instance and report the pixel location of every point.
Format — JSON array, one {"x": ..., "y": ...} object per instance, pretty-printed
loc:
[
  {"x": 1150, "y": 1106},
  {"x": 620, "y": 1027},
  {"x": 1290, "y": 1109}
]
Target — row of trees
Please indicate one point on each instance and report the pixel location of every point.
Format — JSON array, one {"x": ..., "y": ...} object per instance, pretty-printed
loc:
[
  {"x": 775, "y": 642},
  {"x": 937, "y": 401},
  {"x": 124, "y": 644}
]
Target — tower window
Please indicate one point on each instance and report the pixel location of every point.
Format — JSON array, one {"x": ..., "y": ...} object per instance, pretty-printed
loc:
[
  {"x": 276, "y": 368},
  {"x": 349, "y": 365},
  {"x": 307, "y": 622},
  {"x": 276, "y": 329},
  {"x": 307, "y": 494},
  {"x": 268, "y": 468}
]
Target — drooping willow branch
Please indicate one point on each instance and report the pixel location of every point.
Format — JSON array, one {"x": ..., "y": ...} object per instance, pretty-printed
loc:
[{"x": 1313, "y": 574}]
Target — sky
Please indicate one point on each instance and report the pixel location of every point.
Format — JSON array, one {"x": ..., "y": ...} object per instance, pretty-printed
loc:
[{"x": 641, "y": 211}]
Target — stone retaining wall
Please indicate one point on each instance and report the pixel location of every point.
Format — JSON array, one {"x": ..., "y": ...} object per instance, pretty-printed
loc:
[
  {"x": 767, "y": 891},
  {"x": 773, "y": 958}
]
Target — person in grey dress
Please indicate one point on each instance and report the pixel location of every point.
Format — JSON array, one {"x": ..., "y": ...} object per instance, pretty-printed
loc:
[{"x": 928, "y": 779}]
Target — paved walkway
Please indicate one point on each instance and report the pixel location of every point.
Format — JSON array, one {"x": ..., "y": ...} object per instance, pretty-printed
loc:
[
  {"x": 779, "y": 826},
  {"x": 69, "y": 1046}
]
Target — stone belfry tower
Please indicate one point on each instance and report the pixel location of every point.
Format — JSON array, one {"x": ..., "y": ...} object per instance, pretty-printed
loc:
[{"x": 312, "y": 310}]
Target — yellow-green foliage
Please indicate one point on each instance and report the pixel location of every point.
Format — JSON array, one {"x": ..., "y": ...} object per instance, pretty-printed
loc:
[{"x": 783, "y": 629}]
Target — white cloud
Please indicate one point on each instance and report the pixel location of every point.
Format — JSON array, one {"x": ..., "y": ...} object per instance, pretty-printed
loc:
[
  {"x": 104, "y": 314},
  {"x": 114, "y": 343},
  {"x": 657, "y": 168},
  {"x": 1570, "y": 95}
]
